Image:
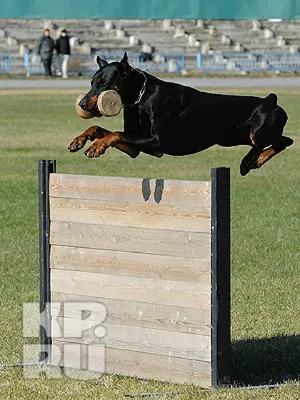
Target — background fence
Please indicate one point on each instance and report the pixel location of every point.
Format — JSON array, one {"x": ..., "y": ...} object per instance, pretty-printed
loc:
[
  {"x": 86, "y": 64},
  {"x": 249, "y": 62},
  {"x": 173, "y": 63},
  {"x": 170, "y": 63},
  {"x": 5, "y": 63}
]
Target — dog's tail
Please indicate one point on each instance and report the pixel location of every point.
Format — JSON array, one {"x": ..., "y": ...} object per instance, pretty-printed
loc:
[{"x": 271, "y": 104}]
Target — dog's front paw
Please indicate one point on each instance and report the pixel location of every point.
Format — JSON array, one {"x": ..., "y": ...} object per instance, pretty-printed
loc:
[
  {"x": 96, "y": 149},
  {"x": 77, "y": 143},
  {"x": 92, "y": 133}
]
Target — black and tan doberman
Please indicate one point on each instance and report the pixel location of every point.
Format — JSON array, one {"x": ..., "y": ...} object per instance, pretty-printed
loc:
[{"x": 167, "y": 118}]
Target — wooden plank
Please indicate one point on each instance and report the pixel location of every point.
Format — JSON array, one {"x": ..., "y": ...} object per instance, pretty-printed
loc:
[
  {"x": 137, "y": 240},
  {"x": 152, "y": 341},
  {"x": 133, "y": 313},
  {"x": 146, "y": 290},
  {"x": 141, "y": 365},
  {"x": 131, "y": 264},
  {"x": 140, "y": 215},
  {"x": 132, "y": 189}
]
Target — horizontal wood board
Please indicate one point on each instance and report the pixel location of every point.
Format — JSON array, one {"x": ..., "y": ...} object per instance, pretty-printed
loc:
[
  {"x": 113, "y": 262},
  {"x": 133, "y": 363},
  {"x": 153, "y": 191},
  {"x": 145, "y": 340},
  {"x": 147, "y": 290},
  {"x": 137, "y": 240},
  {"x": 136, "y": 313},
  {"x": 139, "y": 215}
]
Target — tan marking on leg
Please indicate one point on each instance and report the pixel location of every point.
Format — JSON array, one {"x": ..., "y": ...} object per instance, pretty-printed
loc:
[
  {"x": 100, "y": 145},
  {"x": 90, "y": 134},
  {"x": 252, "y": 138},
  {"x": 96, "y": 132},
  {"x": 265, "y": 156}
]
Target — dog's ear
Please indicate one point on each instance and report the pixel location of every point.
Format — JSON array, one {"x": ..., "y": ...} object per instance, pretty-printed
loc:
[
  {"x": 125, "y": 68},
  {"x": 124, "y": 60},
  {"x": 101, "y": 62}
]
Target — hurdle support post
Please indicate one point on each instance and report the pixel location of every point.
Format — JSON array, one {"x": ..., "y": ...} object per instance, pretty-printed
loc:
[
  {"x": 220, "y": 278},
  {"x": 45, "y": 167}
]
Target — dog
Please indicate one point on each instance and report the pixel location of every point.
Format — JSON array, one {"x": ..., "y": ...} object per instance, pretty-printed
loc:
[{"x": 168, "y": 118}]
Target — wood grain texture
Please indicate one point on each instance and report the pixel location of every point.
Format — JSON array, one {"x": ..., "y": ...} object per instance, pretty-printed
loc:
[
  {"x": 140, "y": 215},
  {"x": 131, "y": 288},
  {"x": 134, "y": 313},
  {"x": 142, "y": 365},
  {"x": 134, "y": 190},
  {"x": 137, "y": 240},
  {"x": 154, "y": 341},
  {"x": 142, "y": 250},
  {"x": 182, "y": 269}
]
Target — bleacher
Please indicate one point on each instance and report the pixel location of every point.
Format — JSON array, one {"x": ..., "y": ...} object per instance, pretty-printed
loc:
[{"x": 185, "y": 37}]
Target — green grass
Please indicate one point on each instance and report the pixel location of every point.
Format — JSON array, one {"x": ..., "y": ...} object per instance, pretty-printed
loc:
[{"x": 39, "y": 124}]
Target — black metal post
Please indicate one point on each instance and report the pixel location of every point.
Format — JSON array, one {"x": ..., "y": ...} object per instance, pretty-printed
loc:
[
  {"x": 45, "y": 168},
  {"x": 220, "y": 280}
]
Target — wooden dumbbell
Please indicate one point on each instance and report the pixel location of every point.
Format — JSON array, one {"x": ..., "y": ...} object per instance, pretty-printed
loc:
[
  {"x": 109, "y": 103},
  {"x": 82, "y": 113}
]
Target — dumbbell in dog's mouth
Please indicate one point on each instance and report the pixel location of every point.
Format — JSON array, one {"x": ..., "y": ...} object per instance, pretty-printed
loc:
[
  {"x": 88, "y": 106},
  {"x": 108, "y": 103}
]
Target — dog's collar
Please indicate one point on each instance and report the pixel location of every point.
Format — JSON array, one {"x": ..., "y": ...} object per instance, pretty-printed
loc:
[{"x": 142, "y": 91}]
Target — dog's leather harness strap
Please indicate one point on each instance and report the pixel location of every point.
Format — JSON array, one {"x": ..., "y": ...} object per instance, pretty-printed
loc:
[{"x": 142, "y": 91}]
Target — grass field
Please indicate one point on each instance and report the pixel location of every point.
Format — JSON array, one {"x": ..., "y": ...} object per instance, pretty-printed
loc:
[{"x": 39, "y": 124}]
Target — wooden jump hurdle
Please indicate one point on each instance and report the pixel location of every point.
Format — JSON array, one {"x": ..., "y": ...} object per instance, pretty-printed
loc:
[{"x": 156, "y": 254}]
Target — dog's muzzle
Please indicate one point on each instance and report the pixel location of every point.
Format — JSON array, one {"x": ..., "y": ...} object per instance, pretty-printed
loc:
[{"x": 109, "y": 104}]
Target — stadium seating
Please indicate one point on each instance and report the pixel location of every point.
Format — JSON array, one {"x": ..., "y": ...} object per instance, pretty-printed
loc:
[{"x": 187, "y": 37}]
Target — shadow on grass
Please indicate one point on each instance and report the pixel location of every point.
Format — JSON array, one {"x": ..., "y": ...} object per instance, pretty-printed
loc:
[{"x": 266, "y": 361}]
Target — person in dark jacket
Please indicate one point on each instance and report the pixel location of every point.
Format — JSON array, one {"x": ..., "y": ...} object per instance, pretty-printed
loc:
[
  {"x": 63, "y": 51},
  {"x": 45, "y": 46}
]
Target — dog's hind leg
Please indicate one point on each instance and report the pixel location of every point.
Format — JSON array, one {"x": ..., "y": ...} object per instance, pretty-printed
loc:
[
  {"x": 267, "y": 154},
  {"x": 250, "y": 160},
  {"x": 257, "y": 157}
]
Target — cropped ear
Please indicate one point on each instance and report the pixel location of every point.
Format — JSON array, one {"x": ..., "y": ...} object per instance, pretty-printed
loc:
[
  {"x": 101, "y": 62},
  {"x": 124, "y": 66},
  {"x": 124, "y": 60}
]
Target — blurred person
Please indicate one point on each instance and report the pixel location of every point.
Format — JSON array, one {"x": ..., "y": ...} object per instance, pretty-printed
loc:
[
  {"x": 44, "y": 48},
  {"x": 63, "y": 52},
  {"x": 146, "y": 53}
]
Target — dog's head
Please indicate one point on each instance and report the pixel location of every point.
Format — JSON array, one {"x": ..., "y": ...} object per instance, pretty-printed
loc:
[{"x": 110, "y": 76}]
